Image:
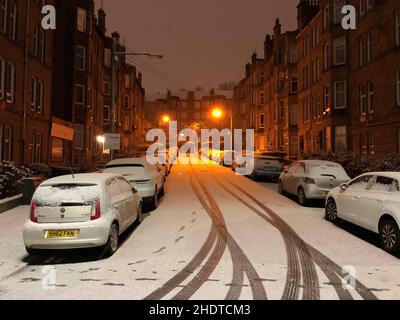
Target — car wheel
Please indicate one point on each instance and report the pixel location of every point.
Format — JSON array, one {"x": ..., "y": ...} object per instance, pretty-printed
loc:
[
  {"x": 140, "y": 217},
  {"x": 390, "y": 236},
  {"x": 331, "y": 213},
  {"x": 33, "y": 252},
  {"x": 280, "y": 187},
  {"x": 112, "y": 244},
  {"x": 162, "y": 191},
  {"x": 154, "y": 202},
  {"x": 302, "y": 197}
]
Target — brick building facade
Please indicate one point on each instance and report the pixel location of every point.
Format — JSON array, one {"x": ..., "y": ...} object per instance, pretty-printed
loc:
[
  {"x": 348, "y": 83},
  {"x": 25, "y": 82}
]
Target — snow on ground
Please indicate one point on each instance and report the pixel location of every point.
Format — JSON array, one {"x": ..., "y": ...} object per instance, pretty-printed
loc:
[{"x": 169, "y": 238}]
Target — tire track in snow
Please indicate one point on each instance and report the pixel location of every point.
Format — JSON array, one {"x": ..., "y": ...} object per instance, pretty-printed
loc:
[
  {"x": 241, "y": 263},
  {"x": 330, "y": 268}
]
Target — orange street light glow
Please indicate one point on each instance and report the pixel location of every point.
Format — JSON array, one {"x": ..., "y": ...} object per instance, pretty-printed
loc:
[
  {"x": 166, "y": 119},
  {"x": 217, "y": 113}
]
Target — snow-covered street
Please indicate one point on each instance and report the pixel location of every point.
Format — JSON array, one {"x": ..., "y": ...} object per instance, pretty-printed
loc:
[{"x": 214, "y": 236}]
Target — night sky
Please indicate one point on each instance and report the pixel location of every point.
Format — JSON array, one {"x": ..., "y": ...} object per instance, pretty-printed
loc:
[{"x": 205, "y": 42}]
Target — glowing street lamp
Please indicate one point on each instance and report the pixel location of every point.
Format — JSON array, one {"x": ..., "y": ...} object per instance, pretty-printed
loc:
[
  {"x": 217, "y": 113},
  {"x": 166, "y": 119}
]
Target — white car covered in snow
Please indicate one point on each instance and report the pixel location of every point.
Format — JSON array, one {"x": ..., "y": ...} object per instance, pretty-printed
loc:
[
  {"x": 146, "y": 178},
  {"x": 81, "y": 211},
  {"x": 371, "y": 201}
]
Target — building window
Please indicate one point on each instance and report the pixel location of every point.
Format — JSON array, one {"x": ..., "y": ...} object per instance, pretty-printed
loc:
[
  {"x": 327, "y": 98},
  {"x": 293, "y": 115},
  {"x": 340, "y": 138},
  {"x": 261, "y": 121},
  {"x": 293, "y": 83},
  {"x": 80, "y": 95},
  {"x": 3, "y": 16},
  {"x": 327, "y": 59},
  {"x": 328, "y": 139},
  {"x": 339, "y": 51},
  {"x": 398, "y": 86},
  {"x": 363, "y": 50},
  {"x": 12, "y": 20},
  {"x": 371, "y": 94},
  {"x": 326, "y": 17},
  {"x": 10, "y": 83},
  {"x": 397, "y": 26},
  {"x": 80, "y": 58},
  {"x": 293, "y": 55},
  {"x": 337, "y": 10},
  {"x": 79, "y": 136},
  {"x": 126, "y": 102},
  {"x": 57, "y": 149},
  {"x": 6, "y": 135},
  {"x": 363, "y": 99},
  {"x": 126, "y": 123},
  {"x": 107, "y": 88},
  {"x": 365, "y": 6},
  {"x": 340, "y": 95},
  {"x": 81, "y": 20},
  {"x": 2, "y": 77},
  {"x": 106, "y": 114},
  {"x": 127, "y": 81},
  {"x": 36, "y": 147},
  {"x": 281, "y": 81},
  {"x": 107, "y": 57},
  {"x": 294, "y": 146},
  {"x": 261, "y": 77},
  {"x": 370, "y": 45},
  {"x": 262, "y": 100},
  {"x": 35, "y": 40},
  {"x": 37, "y": 95}
]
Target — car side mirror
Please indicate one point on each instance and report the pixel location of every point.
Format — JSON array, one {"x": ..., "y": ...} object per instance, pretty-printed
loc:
[
  {"x": 285, "y": 171},
  {"x": 134, "y": 191},
  {"x": 343, "y": 186}
]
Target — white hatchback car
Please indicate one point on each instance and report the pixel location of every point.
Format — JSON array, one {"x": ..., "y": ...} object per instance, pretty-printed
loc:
[
  {"x": 146, "y": 178},
  {"x": 81, "y": 211},
  {"x": 371, "y": 201}
]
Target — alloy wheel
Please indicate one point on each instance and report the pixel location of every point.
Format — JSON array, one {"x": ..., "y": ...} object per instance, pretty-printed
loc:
[
  {"x": 389, "y": 236},
  {"x": 114, "y": 238},
  {"x": 331, "y": 211}
]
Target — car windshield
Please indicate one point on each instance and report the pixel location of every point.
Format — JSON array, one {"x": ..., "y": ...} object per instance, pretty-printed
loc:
[
  {"x": 133, "y": 169},
  {"x": 329, "y": 170},
  {"x": 67, "y": 194}
]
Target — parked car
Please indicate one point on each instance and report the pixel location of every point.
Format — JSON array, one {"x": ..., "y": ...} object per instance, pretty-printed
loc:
[
  {"x": 266, "y": 167},
  {"x": 146, "y": 178},
  {"x": 371, "y": 201},
  {"x": 311, "y": 179},
  {"x": 81, "y": 211},
  {"x": 227, "y": 158}
]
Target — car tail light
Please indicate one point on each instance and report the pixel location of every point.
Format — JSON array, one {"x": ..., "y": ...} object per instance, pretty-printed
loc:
[
  {"x": 33, "y": 215},
  {"x": 309, "y": 180},
  {"x": 96, "y": 211}
]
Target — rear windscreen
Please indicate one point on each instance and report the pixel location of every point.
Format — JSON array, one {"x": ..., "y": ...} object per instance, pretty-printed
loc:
[
  {"x": 67, "y": 194},
  {"x": 329, "y": 170}
]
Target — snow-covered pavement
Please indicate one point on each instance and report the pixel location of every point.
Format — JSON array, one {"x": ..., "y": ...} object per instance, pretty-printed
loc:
[{"x": 215, "y": 236}]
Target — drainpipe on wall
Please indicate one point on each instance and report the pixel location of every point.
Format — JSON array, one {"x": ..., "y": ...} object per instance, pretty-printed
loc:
[{"x": 25, "y": 98}]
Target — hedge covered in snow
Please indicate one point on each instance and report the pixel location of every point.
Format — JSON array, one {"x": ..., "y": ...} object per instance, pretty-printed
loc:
[
  {"x": 11, "y": 177},
  {"x": 355, "y": 164}
]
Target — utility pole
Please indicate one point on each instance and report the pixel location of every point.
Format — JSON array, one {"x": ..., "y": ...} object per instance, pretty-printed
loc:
[{"x": 114, "y": 60}]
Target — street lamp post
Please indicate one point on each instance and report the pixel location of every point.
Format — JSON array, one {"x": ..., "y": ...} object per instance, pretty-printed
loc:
[{"x": 114, "y": 59}]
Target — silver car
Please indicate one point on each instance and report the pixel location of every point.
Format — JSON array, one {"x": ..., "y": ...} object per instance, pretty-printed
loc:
[
  {"x": 311, "y": 179},
  {"x": 81, "y": 211},
  {"x": 146, "y": 178}
]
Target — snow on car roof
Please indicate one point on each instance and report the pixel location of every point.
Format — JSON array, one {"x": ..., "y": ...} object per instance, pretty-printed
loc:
[
  {"x": 394, "y": 174},
  {"x": 96, "y": 178},
  {"x": 128, "y": 161},
  {"x": 319, "y": 162}
]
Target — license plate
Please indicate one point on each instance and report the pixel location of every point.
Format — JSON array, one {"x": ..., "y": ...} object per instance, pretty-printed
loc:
[{"x": 62, "y": 234}]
